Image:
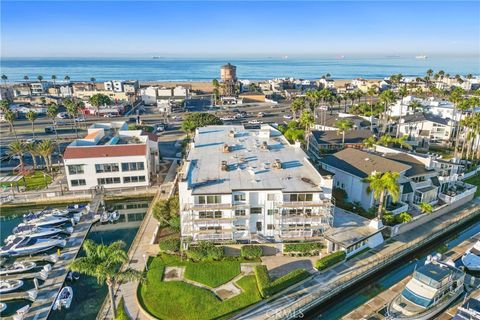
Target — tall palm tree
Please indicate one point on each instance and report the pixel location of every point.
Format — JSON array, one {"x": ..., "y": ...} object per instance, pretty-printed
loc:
[
  {"x": 52, "y": 111},
  {"x": 103, "y": 263},
  {"x": 54, "y": 78},
  {"x": 372, "y": 92},
  {"x": 297, "y": 105},
  {"x": 32, "y": 116},
  {"x": 26, "y": 78},
  {"x": 369, "y": 142},
  {"x": 45, "y": 149},
  {"x": 67, "y": 78},
  {"x": 383, "y": 184},
  {"x": 92, "y": 80},
  {"x": 343, "y": 125},
  {"x": 386, "y": 97},
  {"x": 462, "y": 106},
  {"x": 10, "y": 118},
  {"x": 17, "y": 148},
  {"x": 40, "y": 78},
  {"x": 31, "y": 148},
  {"x": 306, "y": 119},
  {"x": 4, "y": 79},
  {"x": 72, "y": 110}
]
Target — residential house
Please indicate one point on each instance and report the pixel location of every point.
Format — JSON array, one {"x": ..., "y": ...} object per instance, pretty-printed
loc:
[{"x": 424, "y": 128}]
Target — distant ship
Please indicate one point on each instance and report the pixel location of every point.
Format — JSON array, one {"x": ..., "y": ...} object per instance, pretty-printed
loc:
[
  {"x": 340, "y": 57},
  {"x": 155, "y": 57},
  {"x": 421, "y": 57},
  {"x": 285, "y": 57}
]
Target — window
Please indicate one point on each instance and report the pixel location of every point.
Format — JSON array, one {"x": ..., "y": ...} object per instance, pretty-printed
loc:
[
  {"x": 240, "y": 212},
  {"x": 301, "y": 197},
  {"x": 256, "y": 211},
  {"x": 112, "y": 180},
  {"x": 134, "y": 179},
  {"x": 270, "y": 227},
  {"x": 75, "y": 169},
  {"x": 133, "y": 166},
  {"x": 79, "y": 182},
  {"x": 211, "y": 228},
  {"x": 271, "y": 197},
  {"x": 272, "y": 211},
  {"x": 106, "y": 167},
  {"x": 210, "y": 214},
  {"x": 293, "y": 197},
  {"x": 240, "y": 197},
  {"x": 209, "y": 199}
]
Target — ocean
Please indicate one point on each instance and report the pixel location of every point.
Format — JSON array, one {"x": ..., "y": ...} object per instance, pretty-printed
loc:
[{"x": 168, "y": 69}]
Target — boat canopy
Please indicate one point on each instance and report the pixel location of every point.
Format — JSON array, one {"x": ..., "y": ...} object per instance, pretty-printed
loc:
[
  {"x": 432, "y": 275},
  {"x": 416, "y": 299}
]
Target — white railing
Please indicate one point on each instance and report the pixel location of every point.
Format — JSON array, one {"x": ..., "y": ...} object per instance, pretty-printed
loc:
[
  {"x": 402, "y": 208},
  {"x": 451, "y": 199}
]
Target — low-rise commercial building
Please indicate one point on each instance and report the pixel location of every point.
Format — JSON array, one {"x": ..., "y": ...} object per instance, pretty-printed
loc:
[
  {"x": 251, "y": 185},
  {"x": 111, "y": 156}
]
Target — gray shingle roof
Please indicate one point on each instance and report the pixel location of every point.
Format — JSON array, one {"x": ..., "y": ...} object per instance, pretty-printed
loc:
[
  {"x": 420, "y": 117},
  {"x": 333, "y": 137},
  {"x": 417, "y": 168}
]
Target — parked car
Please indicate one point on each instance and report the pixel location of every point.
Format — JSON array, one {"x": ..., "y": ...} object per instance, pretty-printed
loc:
[
  {"x": 261, "y": 114},
  {"x": 255, "y": 121},
  {"x": 109, "y": 115},
  {"x": 63, "y": 115},
  {"x": 79, "y": 119},
  {"x": 287, "y": 116},
  {"x": 49, "y": 130}
]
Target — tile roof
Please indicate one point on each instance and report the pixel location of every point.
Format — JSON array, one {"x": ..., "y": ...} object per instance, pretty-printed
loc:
[
  {"x": 362, "y": 164},
  {"x": 72, "y": 152},
  {"x": 332, "y": 137}
]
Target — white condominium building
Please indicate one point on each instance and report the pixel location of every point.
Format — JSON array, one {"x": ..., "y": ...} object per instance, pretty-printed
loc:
[
  {"x": 111, "y": 156},
  {"x": 251, "y": 185}
]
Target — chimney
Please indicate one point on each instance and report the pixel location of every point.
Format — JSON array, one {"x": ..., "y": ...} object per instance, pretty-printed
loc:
[
  {"x": 224, "y": 165},
  {"x": 277, "y": 164},
  {"x": 226, "y": 148}
]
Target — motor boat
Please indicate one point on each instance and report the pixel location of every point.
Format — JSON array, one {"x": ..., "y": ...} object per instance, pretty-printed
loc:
[
  {"x": 26, "y": 246},
  {"x": 18, "y": 267},
  {"x": 64, "y": 299},
  {"x": 469, "y": 310},
  {"x": 471, "y": 258},
  {"x": 71, "y": 276},
  {"x": 37, "y": 232},
  {"x": 59, "y": 212},
  {"x": 77, "y": 207},
  {"x": 20, "y": 314},
  {"x": 3, "y": 306},
  {"x": 10, "y": 285},
  {"x": 432, "y": 288},
  {"x": 45, "y": 221},
  {"x": 114, "y": 216},
  {"x": 105, "y": 217}
]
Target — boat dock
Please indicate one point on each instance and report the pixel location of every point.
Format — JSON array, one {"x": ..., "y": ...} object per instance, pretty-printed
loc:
[
  {"x": 26, "y": 295},
  {"x": 49, "y": 290},
  {"x": 373, "y": 308}
]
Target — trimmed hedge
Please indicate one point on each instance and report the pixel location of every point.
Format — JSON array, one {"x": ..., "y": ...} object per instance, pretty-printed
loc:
[
  {"x": 169, "y": 245},
  {"x": 251, "y": 252},
  {"x": 330, "y": 260},
  {"x": 310, "y": 248},
  {"x": 268, "y": 288},
  {"x": 205, "y": 251}
]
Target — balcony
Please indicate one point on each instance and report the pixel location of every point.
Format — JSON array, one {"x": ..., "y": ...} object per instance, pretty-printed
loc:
[
  {"x": 457, "y": 192},
  {"x": 224, "y": 234},
  {"x": 303, "y": 204},
  {"x": 448, "y": 178},
  {"x": 397, "y": 208},
  {"x": 207, "y": 206}
]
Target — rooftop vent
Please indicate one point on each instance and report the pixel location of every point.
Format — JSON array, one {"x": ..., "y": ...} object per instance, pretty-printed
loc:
[
  {"x": 231, "y": 133},
  {"x": 277, "y": 164},
  {"x": 264, "y": 145},
  {"x": 226, "y": 148},
  {"x": 224, "y": 166}
]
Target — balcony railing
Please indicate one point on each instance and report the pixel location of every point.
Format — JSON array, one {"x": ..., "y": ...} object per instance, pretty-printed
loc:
[
  {"x": 452, "y": 197},
  {"x": 300, "y": 204},
  {"x": 398, "y": 208},
  {"x": 205, "y": 206}
]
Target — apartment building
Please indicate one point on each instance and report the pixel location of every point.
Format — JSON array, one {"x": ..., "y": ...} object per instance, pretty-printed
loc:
[
  {"x": 251, "y": 185},
  {"x": 111, "y": 156}
]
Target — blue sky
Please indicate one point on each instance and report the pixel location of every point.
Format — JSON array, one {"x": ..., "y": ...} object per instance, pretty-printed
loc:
[{"x": 235, "y": 29}]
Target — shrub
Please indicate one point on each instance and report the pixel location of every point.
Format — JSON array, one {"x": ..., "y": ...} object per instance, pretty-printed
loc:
[
  {"x": 251, "y": 252},
  {"x": 205, "y": 251},
  {"x": 268, "y": 287},
  {"x": 403, "y": 217},
  {"x": 388, "y": 219},
  {"x": 310, "y": 248},
  {"x": 170, "y": 245},
  {"x": 121, "y": 313},
  {"x": 330, "y": 260}
]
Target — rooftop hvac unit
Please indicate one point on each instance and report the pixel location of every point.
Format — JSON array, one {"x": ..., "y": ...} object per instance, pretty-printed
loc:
[
  {"x": 264, "y": 145},
  {"x": 277, "y": 164},
  {"x": 224, "y": 166},
  {"x": 226, "y": 148},
  {"x": 231, "y": 133}
]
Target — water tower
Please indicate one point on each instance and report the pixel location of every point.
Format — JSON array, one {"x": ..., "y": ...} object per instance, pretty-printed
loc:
[{"x": 228, "y": 75}]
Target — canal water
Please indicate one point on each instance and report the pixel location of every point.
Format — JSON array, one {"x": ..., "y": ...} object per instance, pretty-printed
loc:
[
  {"x": 357, "y": 295},
  {"x": 88, "y": 294}
]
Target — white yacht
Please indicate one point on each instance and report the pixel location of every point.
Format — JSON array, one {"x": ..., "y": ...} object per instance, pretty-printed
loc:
[
  {"x": 432, "y": 288},
  {"x": 45, "y": 221},
  {"x": 469, "y": 310},
  {"x": 77, "y": 207},
  {"x": 10, "y": 285},
  {"x": 3, "y": 306},
  {"x": 37, "y": 232},
  {"x": 471, "y": 258},
  {"x": 20, "y": 314},
  {"x": 26, "y": 246},
  {"x": 18, "y": 267},
  {"x": 64, "y": 299}
]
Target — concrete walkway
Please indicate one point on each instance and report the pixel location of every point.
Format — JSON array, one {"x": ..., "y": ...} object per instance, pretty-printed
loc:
[
  {"x": 323, "y": 285},
  {"x": 139, "y": 251}
]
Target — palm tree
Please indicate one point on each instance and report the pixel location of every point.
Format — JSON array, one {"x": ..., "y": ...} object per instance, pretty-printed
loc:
[
  {"x": 54, "y": 78},
  {"x": 4, "y": 78},
  {"x": 45, "y": 149},
  {"x": 297, "y": 105},
  {"x": 382, "y": 184},
  {"x": 103, "y": 262},
  {"x": 462, "y": 106},
  {"x": 31, "y": 148},
  {"x": 92, "y": 80},
  {"x": 415, "y": 106},
  {"x": 343, "y": 125},
  {"x": 386, "y": 97},
  {"x": 52, "y": 111},
  {"x": 10, "y": 118},
  {"x": 369, "y": 142},
  {"x": 17, "y": 148},
  {"x": 32, "y": 116},
  {"x": 425, "y": 207},
  {"x": 40, "y": 78},
  {"x": 67, "y": 78},
  {"x": 307, "y": 119},
  {"x": 371, "y": 92},
  {"x": 26, "y": 78},
  {"x": 72, "y": 110},
  {"x": 4, "y": 105}
]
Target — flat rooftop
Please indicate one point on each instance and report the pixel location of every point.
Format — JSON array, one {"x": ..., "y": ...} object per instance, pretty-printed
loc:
[{"x": 250, "y": 162}]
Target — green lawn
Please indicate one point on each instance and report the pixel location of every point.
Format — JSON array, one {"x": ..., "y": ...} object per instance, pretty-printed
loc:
[
  {"x": 475, "y": 180},
  {"x": 179, "y": 300},
  {"x": 33, "y": 181}
]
